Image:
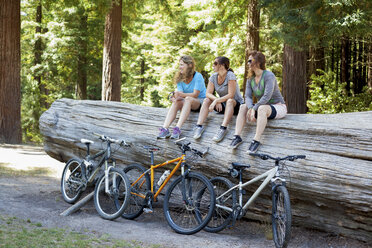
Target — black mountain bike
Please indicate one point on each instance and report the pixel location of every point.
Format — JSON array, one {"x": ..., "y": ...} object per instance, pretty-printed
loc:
[{"x": 111, "y": 184}]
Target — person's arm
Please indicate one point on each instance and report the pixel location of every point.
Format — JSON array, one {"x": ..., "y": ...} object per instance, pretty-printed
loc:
[
  {"x": 268, "y": 91},
  {"x": 248, "y": 95},
  {"x": 210, "y": 91},
  {"x": 195, "y": 94}
]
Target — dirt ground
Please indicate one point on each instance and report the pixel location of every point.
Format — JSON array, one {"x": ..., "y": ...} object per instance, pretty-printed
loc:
[{"x": 35, "y": 195}]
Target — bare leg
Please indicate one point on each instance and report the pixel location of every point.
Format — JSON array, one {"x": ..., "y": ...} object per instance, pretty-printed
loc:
[
  {"x": 241, "y": 119},
  {"x": 229, "y": 111},
  {"x": 189, "y": 103},
  {"x": 204, "y": 111},
  {"x": 264, "y": 111},
  {"x": 172, "y": 113}
]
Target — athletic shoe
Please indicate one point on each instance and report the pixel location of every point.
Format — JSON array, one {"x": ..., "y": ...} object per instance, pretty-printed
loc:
[
  {"x": 198, "y": 131},
  {"x": 176, "y": 133},
  {"x": 220, "y": 134},
  {"x": 164, "y": 133},
  {"x": 236, "y": 142},
  {"x": 254, "y": 146}
]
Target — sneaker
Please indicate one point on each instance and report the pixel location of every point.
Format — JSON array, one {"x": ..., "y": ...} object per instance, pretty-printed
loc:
[
  {"x": 198, "y": 131},
  {"x": 176, "y": 133},
  {"x": 220, "y": 134},
  {"x": 164, "y": 133},
  {"x": 236, "y": 142},
  {"x": 254, "y": 146}
]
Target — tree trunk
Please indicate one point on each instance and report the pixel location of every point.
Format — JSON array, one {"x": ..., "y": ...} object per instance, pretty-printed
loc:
[
  {"x": 82, "y": 59},
  {"x": 10, "y": 66},
  {"x": 370, "y": 64},
  {"x": 345, "y": 62},
  {"x": 111, "y": 72},
  {"x": 252, "y": 38},
  {"x": 359, "y": 81},
  {"x": 330, "y": 190},
  {"x": 294, "y": 80},
  {"x": 316, "y": 60},
  {"x": 142, "y": 80}
]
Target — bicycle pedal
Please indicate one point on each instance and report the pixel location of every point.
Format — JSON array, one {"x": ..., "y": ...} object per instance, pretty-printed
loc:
[{"x": 148, "y": 210}]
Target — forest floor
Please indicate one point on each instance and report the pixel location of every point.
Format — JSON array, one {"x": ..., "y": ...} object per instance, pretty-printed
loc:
[{"x": 30, "y": 191}]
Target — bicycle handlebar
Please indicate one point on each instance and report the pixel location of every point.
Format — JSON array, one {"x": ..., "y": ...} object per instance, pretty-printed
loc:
[
  {"x": 266, "y": 157},
  {"x": 105, "y": 138},
  {"x": 186, "y": 147}
]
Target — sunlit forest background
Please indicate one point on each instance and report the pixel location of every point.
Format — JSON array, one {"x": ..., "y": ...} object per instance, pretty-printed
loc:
[{"x": 62, "y": 49}]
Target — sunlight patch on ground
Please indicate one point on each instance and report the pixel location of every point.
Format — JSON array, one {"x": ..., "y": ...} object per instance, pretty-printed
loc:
[{"x": 30, "y": 158}]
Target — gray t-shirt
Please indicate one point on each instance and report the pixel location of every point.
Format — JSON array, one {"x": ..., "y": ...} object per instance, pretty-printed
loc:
[
  {"x": 269, "y": 89},
  {"x": 223, "y": 89}
]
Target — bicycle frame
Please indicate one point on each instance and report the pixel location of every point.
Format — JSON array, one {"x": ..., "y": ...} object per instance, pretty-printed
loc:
[
  {"x": 268, "y": 174},
  {"x": 180, "y": 161}
]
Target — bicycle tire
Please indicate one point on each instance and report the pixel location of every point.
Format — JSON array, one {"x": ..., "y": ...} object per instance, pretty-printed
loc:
[
  {"x": 189, "y": 218},
  {"x": 281, "y": 217},
  {"x": 112, "y": 205},
  {"x": 72, "y": 181},
  {"x": 221, "y": 218},
  {"x": 136, "y": 203}
]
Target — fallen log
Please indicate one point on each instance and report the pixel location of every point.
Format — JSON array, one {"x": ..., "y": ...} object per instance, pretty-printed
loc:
[{"x": 331, "y": 190}]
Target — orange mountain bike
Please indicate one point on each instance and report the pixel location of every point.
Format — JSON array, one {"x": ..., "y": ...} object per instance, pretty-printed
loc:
[{"x": 189, "y": 201}]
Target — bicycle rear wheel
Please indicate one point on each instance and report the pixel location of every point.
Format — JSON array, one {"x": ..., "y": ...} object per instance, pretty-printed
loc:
[
  {"x": 111, "y": 204},
  {"x": 72, "y": 181},
  {"x": 281, "y": 216},
  {"x": 223, "y": 212},
  {"x": 138, "y": 190},
  {"x": 189, "y": 203}
]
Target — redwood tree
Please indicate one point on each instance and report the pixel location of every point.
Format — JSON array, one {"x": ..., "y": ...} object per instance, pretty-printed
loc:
[
  {"x": 111, "y": 73},
  {"x": 294, "y": 80},
  {"x": 252, "y": 38},
  {"x": 10, "y": 65}
]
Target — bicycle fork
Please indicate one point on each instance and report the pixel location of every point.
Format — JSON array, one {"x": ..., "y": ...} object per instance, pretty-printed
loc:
[{"x": 107, "y": 171}]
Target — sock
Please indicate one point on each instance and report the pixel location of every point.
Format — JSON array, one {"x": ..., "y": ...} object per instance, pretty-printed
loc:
[
  {"x": 199, "y": 125},
  {"x": 222, "y": 127}
]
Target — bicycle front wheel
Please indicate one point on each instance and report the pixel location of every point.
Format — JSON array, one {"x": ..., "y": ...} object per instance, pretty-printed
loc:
[
  {"x": 189, "y": 203},
  {"x": 281, "y": 217},
  {"x": 138, "y": 190},
  {"x": 72, "y": 182},
  {"x": 223, "y": 212},
  {"x": 112, "y": 197}
]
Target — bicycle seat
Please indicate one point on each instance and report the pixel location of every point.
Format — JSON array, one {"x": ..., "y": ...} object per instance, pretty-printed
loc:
[
  {"x": 240, "y": 166},
  {"x": 151, "y": 149},
  {"x": 86, "y": 141}
]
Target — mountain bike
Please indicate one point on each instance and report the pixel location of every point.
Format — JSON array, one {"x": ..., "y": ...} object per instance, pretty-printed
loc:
[
  {"x": 229, "y": 198},
  {"x": 111, "y": 187},
  {"x": 186, "y": 210}
]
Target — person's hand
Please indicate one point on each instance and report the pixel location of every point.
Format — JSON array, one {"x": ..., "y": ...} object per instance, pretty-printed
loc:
[
  {"x": 251, "y": 113},
  {"x": 211, "y": 107},
  {"x": 219, "y": 107},
  {"x": 177, "y": 96}
]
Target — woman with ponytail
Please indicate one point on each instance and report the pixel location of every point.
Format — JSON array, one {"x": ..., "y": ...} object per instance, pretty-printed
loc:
[{"x": 223, "y": 81}]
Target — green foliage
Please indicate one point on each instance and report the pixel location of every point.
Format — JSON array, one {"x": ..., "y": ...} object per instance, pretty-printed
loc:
[{"x": 327, "y": 97}]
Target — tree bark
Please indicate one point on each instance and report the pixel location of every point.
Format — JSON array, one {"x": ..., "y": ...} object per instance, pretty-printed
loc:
[
  {"x": 294, "y": 80},
  {"x": 252, "y": 38},
  {"x": 10, "y": 66},
  {"x": 111, "y": 72},
  {"x": 370, "y": 65},
  {"x": 345, "y": 62},
  {"x": 330, "y": 190},
  {"x": 82, "y": 59}
]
